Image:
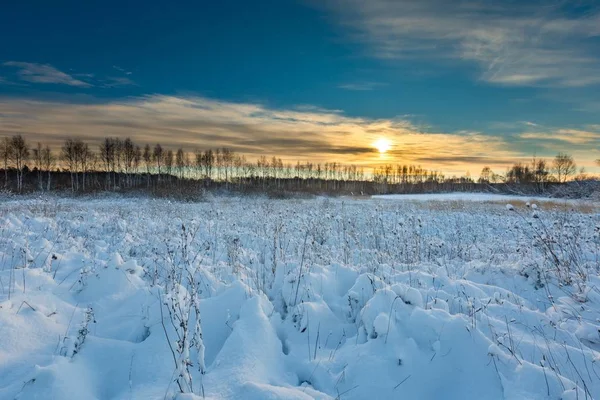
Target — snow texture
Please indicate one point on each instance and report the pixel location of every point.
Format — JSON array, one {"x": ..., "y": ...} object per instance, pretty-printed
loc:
[{"x": 299, "y": 299}]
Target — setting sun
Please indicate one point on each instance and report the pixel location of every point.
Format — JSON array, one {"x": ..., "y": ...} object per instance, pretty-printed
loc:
[{"x": 383, "y": 145}]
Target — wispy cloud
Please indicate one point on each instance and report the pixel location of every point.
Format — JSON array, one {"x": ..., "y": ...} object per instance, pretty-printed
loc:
[
  {"x": 44, "y": 73},
  {"x": 594, "y": 127},
  {"x": 123, "y": 78},
  {"x": 529, "y": 123},
  {"x": 360, "y": 86},
  {"x": 306, "y": 134},
  {"x": 512, "y": 43},
  {"x": 300, "y": 133},
  {"x": 581, "y": 143},
  {"x": 47, "y": 74},
  {"x": 117, "y": 81},
  {"x": 570, "y": 136},
  {"x": 122, "y": 70}
]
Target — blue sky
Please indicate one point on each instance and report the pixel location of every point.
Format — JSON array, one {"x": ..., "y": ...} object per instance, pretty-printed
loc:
[{"x": 453, "y": 85}]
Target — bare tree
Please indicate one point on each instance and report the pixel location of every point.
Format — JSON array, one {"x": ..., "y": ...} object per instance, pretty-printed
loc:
[
  {"x": 47, "y": 164},
  {"x": 564, "y": 166},
  {"x": 169, "y": 162},
  {"x": 84, "y": 159},
  {"x": 70, "y": 158},
  {"x": 118, "y": 164},
  {"x": 147, "y": 156},
  {"x": 519, "y": 173},
  {"x": 19, "y": 152},
  {"x": 486, "y": 175},
  {"x": 137, "y": 160},
  {"x": 540, "y": 172},
  {"x": 198, "y": 163},
  {"x": 158, "y": 155},
  {"x": 5, "y": 155},
  {"x": 227, "y": 157},
  {"x": 37, "y": 162},
  {"x": 208, "y": 162},
  {"x": 218, "y": 162},
  {"x": 128, "y": 159},
  {"x": 107, "y": 156},
  {"x": 180, "y": 162},
  {"x": 77, "y": 156}
]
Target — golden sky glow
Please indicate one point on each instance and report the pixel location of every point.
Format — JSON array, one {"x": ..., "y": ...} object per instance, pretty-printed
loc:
[
  {"x": 303, "y": 133},
  {"x": 383, "y": 145}
]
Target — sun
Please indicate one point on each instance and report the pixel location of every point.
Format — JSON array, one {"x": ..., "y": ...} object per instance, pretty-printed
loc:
[{"x": 383, "y": 145}]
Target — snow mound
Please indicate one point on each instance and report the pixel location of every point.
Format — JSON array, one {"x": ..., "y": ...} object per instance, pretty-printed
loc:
[{"x": 304, "y": 299}]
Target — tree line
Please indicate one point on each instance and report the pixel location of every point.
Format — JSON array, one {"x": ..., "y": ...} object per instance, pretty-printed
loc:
[
  {"x": 539, "y": 171},
  {"x": 118, "y": 164}
]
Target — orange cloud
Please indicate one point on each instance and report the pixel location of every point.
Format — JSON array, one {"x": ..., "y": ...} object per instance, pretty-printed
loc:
[{"x": 305, "y": 133}]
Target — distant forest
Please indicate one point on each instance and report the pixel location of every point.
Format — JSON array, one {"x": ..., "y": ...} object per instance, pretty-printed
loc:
[{"x": 121, "y": 165}]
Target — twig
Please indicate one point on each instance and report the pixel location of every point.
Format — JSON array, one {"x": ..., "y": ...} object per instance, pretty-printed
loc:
[
  {"x": 301, "y": 264},
  {"x": 162, "y": 322},
  {"x": 345, "y": 391},
  {"x": 403, "y": 380},
  {"x": 24, "y": 302}
]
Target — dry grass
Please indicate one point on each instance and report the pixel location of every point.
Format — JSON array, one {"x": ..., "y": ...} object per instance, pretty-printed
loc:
[
  {"x": 357, "y": 197},
  {"x": 583, "y": 207}
]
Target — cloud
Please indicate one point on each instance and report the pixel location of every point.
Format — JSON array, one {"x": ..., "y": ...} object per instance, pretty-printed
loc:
[
  {"x": 479, "y": 160},
  {"x": 117, "y": 81},
  {"x": 570, "y": 136},
  {"x": 309, "y": 133},
  {"x": 512, "y": 43},
  {"x": 594, "y": 127},
  {"x": 122, "y": 70},
  {"x": 360, "y": 86},
  {"x": 304, "y": 133},
  {"x": 44, "y": 73},
  {"x": 583, "y": 144}
]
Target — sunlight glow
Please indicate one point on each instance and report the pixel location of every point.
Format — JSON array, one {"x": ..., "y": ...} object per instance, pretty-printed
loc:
[{"x": 383, "y": 145}]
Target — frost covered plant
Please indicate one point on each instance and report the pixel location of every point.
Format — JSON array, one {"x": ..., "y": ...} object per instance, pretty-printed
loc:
[
  {"x": 233, "y": 253},
  {"x": 184, "y": 315},
  {"x": 83, "y": 330},
  {"x": 561, "y": 248},
  {"x": 84, "y": 273},
  {"x": 183, "y": 305},
  {"x": 71, "y": 347}
]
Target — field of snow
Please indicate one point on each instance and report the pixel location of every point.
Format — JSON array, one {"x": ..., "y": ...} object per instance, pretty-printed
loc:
[
  {"x": 477, "y": 197},
  {"x": 297, "y": 299}
]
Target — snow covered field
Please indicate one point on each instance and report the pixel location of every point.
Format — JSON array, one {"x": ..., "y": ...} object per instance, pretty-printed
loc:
[
  {"x": 477, "y": 197},
  {"x": 298, "y": 299}
]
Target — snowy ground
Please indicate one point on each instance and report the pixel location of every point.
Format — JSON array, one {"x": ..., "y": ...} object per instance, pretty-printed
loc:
[
  {"x": 326, "y": 299},
  {"x": 477, "y": 197}
]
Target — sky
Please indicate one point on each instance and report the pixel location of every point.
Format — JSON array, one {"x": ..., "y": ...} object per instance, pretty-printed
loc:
[{"x": 450, "y": 85}]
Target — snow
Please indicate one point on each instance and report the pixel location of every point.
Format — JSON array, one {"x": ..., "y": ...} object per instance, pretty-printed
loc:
[
  {"x": 298, "y": 299},
  {"x": 476, "y": 197}
]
